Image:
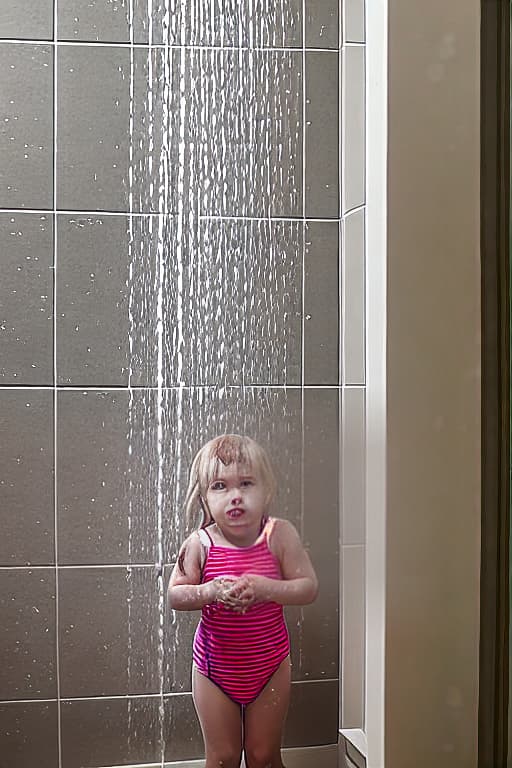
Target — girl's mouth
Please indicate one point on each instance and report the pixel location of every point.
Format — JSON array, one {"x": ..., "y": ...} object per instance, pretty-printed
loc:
[{"x": 235, "y": 512}]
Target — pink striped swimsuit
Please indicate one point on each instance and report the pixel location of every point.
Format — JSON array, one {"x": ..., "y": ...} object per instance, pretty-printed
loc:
[{"x": 240, "y": 652}]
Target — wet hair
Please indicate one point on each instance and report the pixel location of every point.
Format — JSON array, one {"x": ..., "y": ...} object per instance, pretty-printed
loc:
[{"x": 223, "y": 451}]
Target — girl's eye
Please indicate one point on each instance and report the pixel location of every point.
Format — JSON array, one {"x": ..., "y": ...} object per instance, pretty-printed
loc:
[
  {"x": 218, "y": 486},
  {"x": 247, "y": 482}
]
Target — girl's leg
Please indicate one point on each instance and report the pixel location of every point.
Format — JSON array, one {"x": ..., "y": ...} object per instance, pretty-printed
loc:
[
  {"x": 221, "y": 723},
  {"x": 264, "y": 721}
]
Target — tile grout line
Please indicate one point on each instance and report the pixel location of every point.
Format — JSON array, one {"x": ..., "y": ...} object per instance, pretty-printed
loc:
[
  {"x": 303, "y": 325},
  {"x": 55, "y": 386},
  {"x": 341, "y": 250},
  {"x": 164, "y": 46},
  {"x": 202, "y": 217},
  {"x": 85, "y": 389},
  {"x": 122, "y": 697},
  {"x": 341, "y": 355}
]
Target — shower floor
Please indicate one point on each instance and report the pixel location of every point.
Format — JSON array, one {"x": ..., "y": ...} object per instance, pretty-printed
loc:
[{"x": 320, "y": 757}]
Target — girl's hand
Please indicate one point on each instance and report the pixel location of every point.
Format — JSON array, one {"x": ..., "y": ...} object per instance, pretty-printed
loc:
[
  {"x": 250, "y": 589},
  {"x": 219, "y": 591}
]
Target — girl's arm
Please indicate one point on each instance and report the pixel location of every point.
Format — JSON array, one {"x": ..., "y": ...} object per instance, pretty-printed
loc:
[
  {"x": 185, "y": 592},
  {"x": 299, "y": 585}
]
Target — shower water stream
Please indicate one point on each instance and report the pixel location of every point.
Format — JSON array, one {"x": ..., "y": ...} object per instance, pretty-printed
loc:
[{"x": 210, "y": 133}]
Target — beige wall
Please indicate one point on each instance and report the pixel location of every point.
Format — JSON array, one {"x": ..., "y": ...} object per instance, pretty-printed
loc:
[{"x": 433, "y": 386}]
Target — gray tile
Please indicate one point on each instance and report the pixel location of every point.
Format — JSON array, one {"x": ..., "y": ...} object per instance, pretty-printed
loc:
[
  {"x": 317, "y": 625},
  {"x": 217, "y": 131},
  {"x": 109, "y": 616},
  {"x": 314, "y": 630},
  {"x": 321, "y": 473},
  {"x": 322, "y": 135},
  {"x": 243, "y": 115},
  {"x": 26, "y": 299},
  {"x": 27, "y": 604},
  {"x": 321, "y": 304},
  {"x": 103, "y": 21},
  {"x": 116, "y": 146},
  {"x": 354, "y": 21},
  {"x": 179, "y": 629},
  {"x": 26, "y": 481},
  {"x": 353, "y": 127},
  {"x": 192, "y": 417},
  {"x": 26, "y": 141},
  {"x": 93, "y": 128},
  {"x": 313, "y": 714},
  {"x": 354, "y": 298},
  {"x": 107, "y": 300},
  {"x": 211, "y": 22},
  {"x": 246, "y": 24},
  {"x": 353, "y": 640},
  {"x": 105, "y": 731},
  {"x": 233, "y": 304},
  {"x": 322, "y": 23},
  {"x": 182, "y": 733},
  {"x": 353, "y": 465},
  {"x": 28, "y": 734},
  {"x": 32, "y": 20},
  {"x": 107, "y": 477}
]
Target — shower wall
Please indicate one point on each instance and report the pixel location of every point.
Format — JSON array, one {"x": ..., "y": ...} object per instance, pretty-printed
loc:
[{"x": 182, "y": 218}]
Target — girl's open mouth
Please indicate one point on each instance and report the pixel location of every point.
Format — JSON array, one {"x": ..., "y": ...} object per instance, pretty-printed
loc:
[{"x": 234, "y": 513}]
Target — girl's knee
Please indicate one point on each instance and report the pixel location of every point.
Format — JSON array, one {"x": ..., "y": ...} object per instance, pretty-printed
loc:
[
  {"x": 258, "y": 756},
  {"x": 228, "y": 758}
]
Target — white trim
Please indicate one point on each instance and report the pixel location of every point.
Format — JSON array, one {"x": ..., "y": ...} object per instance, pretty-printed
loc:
[{"x": 376, "y": 234}]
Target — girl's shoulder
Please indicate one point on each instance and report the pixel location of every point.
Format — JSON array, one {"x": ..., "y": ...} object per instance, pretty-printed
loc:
[{"x": 281, "y": 533}]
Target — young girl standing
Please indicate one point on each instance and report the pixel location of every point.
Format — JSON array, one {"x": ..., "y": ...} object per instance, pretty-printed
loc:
[{"x": 240, "y": 568}]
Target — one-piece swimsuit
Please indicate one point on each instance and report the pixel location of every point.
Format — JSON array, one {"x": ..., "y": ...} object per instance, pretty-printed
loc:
[{"x": 240, "y": 652}]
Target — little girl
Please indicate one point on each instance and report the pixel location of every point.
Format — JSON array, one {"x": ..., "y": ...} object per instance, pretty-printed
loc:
[{"x": 240, "y": 568}]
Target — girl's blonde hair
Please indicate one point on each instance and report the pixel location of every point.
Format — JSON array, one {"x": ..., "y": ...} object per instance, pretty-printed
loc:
[{"x": 224, "y": 450}]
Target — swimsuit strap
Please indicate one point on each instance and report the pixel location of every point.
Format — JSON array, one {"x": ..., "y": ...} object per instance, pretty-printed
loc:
[
  {"x": 267, "y": 528},
  {"x": 205, "y": 538}
]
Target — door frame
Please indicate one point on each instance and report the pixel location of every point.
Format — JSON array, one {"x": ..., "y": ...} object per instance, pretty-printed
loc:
[{"x": 495, "y": 260}]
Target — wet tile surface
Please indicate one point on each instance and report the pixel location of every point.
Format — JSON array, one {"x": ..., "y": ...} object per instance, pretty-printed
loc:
[
  {"x": 104, "y": 732},
  {"x": 322, "y": 23},
  {"x": 107, "y": 477},
  {"x": 26, "y": 481},
  {"x": 28, "y": 733},
  {"x": 322, "y": 135},
  {"x": 26, "y": 139},
  {"x": 32, "y": 20},
  {"x": 202, "y": 133},
  {"x": 108, "y": 616},
  {"x": 26, "y": 299},
  {"x": 321, "y": 304},
  {"x": 313, "y": 714},
  {"x": 107, "y": 300},
  {"x": 224, "y": 320},
  {"x": 154, "y": 149},
  {"x": 223, "y": 23},
  {"x": 27, "y": 604}
]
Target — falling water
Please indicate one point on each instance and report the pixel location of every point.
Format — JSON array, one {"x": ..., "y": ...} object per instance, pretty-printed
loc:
[{"x": 215, "y": 281}]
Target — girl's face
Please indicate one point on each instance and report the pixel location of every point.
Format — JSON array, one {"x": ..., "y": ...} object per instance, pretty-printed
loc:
[{"x": 237, "y": 499}]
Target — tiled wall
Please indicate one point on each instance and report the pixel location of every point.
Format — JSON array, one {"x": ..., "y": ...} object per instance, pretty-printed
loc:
[{"x": 182, "y": 244}]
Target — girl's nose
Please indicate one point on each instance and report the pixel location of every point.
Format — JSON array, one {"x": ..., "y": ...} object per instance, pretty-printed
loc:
[{"x": 236, "y": 497}]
